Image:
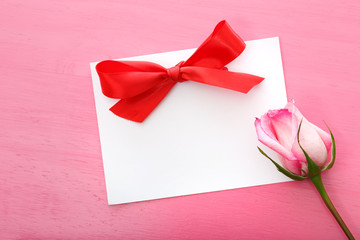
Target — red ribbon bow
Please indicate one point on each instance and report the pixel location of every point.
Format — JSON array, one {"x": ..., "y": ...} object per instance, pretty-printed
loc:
[{"x": 142, "y": 85}]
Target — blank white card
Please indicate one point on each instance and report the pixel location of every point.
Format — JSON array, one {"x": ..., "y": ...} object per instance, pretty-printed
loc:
[{"x": 199, "y": 139}]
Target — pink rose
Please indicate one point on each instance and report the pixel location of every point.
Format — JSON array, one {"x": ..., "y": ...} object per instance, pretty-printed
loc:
[
  {"x": 303, "y": 149},
  {"x": 277, "y": 129}
]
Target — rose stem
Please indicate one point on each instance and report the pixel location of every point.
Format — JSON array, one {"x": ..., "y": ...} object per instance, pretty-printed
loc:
[{"x": 316, "y": 180}]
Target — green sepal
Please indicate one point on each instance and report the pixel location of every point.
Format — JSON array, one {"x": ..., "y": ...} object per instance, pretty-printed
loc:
[
  {"x": 331, "y": 163},
  {"x": 312, "y": 167},
  {"x": 281, "y": 169}
]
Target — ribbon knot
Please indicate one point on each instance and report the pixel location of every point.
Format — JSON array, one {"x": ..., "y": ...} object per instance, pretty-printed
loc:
[
  {"x": 141, "y": 86},
  {"x": 174, "y": 72}
]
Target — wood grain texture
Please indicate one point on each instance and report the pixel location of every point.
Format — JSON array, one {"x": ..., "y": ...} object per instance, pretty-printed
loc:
[{"x": 51, "y": 176}]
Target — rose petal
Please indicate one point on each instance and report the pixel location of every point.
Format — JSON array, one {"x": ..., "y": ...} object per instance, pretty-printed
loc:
[
  {"x": 293, "y": 166},
  {"x": 267, "y": 126},
  {"x": 325, "y": 137},
  {"x": 293, "y": 109},
  {"x": 312, "y": 144},
  {"x": 270, "y": 142},
  {"x": 282, "y": 125}
]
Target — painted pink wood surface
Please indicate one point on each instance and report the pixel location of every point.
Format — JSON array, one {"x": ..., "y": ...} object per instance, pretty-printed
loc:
[{"x": 51, "y": 176}]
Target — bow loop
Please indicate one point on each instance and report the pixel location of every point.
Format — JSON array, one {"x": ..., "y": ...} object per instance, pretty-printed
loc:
[
  {"x": 219, "y": 49},
  {"x": 128, "y": 78},
  {"x": 141, "y": 86}
]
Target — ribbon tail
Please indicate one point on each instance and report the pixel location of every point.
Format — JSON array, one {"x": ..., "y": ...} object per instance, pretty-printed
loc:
[
  {"x": 139, "y": 107},
  {"x": 241, "y": 82}
]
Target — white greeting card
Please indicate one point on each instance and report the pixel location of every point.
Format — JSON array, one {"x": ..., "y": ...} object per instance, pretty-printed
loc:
[{"x": 200, "y": 138}]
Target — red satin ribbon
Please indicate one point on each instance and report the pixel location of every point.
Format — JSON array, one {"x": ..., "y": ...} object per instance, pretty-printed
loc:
[{"x": 142, "y": 85}]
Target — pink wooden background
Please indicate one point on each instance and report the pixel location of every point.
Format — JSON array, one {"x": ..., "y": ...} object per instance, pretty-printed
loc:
[{"x": 51, "y": 176}]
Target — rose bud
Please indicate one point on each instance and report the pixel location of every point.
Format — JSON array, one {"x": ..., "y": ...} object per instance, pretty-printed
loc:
[
  {"x": 282, "y": 130},
  {"x": 303, "y": 149}
]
